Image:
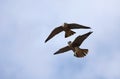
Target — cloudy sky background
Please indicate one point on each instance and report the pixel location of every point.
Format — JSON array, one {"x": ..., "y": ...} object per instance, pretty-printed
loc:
[{"x": 25, "y": 24}]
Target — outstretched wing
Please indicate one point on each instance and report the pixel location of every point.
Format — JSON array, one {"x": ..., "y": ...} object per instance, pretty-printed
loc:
[
  {"x": 78, "y": 41},
  {"x": 62, "y": 50},
  {"x": 54, "y": 32},
  {"x": 77, "y": 26}
]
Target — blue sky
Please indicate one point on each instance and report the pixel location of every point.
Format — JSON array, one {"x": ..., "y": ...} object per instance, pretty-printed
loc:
[{"x": 25, "y": 24}]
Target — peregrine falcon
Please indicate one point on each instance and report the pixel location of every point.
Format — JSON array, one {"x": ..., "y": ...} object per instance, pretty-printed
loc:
[
  {"x": 67, "y": 29},
  {"x": 74, "y": 46}
]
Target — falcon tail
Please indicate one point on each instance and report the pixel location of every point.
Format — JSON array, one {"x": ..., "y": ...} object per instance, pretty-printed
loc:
[
  {"x": 81, "y": 53},
  {"x": 69, "y": 33},
  {"x": 84, "y": 51}
]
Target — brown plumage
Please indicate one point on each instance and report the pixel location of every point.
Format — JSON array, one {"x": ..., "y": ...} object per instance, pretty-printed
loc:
[
  {"x": 74, "y": 46},
  {"x": 67, "y": 29}
]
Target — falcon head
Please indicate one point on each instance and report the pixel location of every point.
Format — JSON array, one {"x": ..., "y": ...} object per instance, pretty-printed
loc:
[
  {"x": 69, "y": 42},
  {"x": 65, "y": 24}
]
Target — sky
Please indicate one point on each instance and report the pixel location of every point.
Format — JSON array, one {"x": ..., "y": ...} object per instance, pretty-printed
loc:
[{"x": 25, "y": 24}]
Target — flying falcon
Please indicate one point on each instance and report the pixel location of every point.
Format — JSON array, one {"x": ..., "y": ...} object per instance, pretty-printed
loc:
[
  {"x": 67, "y": 29},
  {"x": 74, "y": 46}
]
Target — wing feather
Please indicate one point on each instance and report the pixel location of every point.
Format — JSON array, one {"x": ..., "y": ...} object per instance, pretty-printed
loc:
[
  {"x": 54, "y": 32},
  {"x": 77, "y": 26},
  {"x": 78, "y": 41},
  {"x": 62, "y": 50}
]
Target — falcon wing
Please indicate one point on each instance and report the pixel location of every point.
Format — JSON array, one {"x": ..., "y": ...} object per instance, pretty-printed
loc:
[
  {"x": 78, "y": 41},
  {"x": 77, "y": 26},
  {"x": 54, "y": 32},
  {"x": 62, "y": 50}
]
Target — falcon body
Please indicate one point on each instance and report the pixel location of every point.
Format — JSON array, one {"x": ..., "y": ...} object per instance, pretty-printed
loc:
[
  {"x": 67, "y": 29},
  {"x": 74, "y": 46}
]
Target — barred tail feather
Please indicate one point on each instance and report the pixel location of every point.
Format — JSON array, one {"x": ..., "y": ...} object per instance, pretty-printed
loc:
[
  {"x": 81, "y": 53},
  {"x": 84, "y": 51}
]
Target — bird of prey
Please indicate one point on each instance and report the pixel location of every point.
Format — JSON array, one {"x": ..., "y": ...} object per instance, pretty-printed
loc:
[
  {"x": 74, "y": 46},
  {"x": 67, "y": 29}
]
